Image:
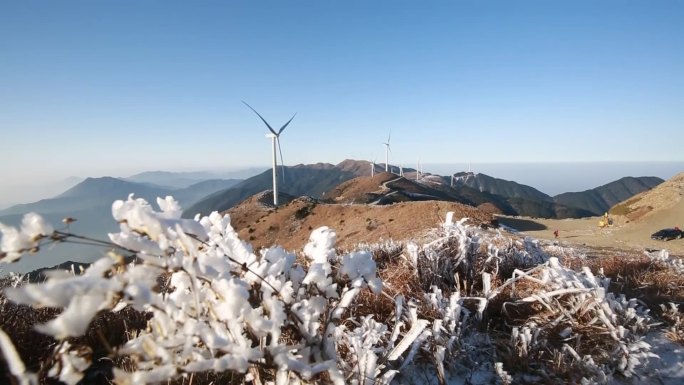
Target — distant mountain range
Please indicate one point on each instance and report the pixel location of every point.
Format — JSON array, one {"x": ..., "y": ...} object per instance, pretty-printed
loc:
[
  {"x": 178, "y": 180},
  {"x": 528, "y": 201},
  {"x": 311, "y": 180},
  {"x": 347, "y": 182},
  {"x": 96, "y": 192},
  {"x": 598, "y": 200},
  {"x": 90, "y": 202},
  {"x": 325, "y": 180}
]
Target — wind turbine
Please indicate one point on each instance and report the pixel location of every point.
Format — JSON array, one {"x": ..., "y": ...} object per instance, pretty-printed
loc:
[
  {"x": 373, "y": 168},
  {"x": 275, "y": 139},
  {"x": 387, "y": 151}
]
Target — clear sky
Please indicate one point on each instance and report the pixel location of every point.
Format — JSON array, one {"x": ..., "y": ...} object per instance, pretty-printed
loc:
[{"x": 94, "y": 88}]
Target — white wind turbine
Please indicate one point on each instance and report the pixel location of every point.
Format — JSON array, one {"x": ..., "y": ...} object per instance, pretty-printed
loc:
[
  {"x": 373, "y": 168},
  {"x": 419, "y": 171},
  {"x": 275, "y": 139},
  {"x": 387, "y": 151}
]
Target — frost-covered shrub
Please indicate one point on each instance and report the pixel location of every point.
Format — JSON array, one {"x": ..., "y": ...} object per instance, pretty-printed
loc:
[
  {"x": 462, "y": 300},
  {"x": 226, "y": 309}
]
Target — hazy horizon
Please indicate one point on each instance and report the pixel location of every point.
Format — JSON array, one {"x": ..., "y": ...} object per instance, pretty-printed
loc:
[{"x": 551, "y": 178}]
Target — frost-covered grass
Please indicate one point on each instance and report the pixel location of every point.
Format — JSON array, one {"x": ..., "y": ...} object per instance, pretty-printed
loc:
[{"x": 201, "y": 306}]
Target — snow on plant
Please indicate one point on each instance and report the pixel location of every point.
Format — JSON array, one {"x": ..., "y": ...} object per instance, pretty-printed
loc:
[
  {"x": 664, "y": 257},
  {"x": 594, "y": 329},
  {"x": 228, "y": 309},
  {"x": 231, "y": 309},
  {"x": 16, "y": 242},
  {"x": 558, "y": 315},
  {"x": 672, "y": 315}
]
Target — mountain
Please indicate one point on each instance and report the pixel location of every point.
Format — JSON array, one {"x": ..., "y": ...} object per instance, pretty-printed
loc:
[
  {"x": 658, "y": 204},
  {"x": 311, "y": 180},
  {"x": 12, "y": 194},
  {"x": 199, "y": 190},
  {"x": 179, "y": 180},
  {"x": 97, "y": 192},
  {"x": 501, "y": 187},
  {"x": 90, "y": 202},
  {"x": 387, "y": 188},
  {"x": 291, "y": 223},
  {"x": 598, "y": 200},
  {"x": 545, "y": 209},
  {"x": 349, "y": 182}
]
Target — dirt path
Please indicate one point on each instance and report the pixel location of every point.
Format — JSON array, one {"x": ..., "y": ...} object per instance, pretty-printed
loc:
[{"x": 623, "y": 235}]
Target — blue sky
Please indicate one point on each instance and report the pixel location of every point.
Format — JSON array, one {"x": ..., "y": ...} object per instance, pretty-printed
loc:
[{"x": 90, "y": 88}]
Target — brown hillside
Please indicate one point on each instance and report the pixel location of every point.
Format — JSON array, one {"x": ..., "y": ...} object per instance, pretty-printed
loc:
[
  {"x": 387, "y": 188},
  {"x": 357, "y": 167},
  {"x": 290, "y": 225},
  {"x": 656, "y": 201},
  {"x": 634, "y": 222},
  {"x": 357, "y": 189}
]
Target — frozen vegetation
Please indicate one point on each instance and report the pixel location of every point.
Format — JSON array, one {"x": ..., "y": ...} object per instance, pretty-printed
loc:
[{"x": 465, "y": 305}]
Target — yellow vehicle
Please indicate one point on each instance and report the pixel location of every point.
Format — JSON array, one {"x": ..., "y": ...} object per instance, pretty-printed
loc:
[{"x": 606, "y": 221}]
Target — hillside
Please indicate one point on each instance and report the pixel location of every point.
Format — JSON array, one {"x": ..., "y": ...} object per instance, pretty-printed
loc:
[
  {"x": 501, "y": 187},
  {"x": 311, "y": 180},
  {"x": 545, "y": 209},
  {"x": 290, "y": 224},
  {"x": 662, "y": 197},
  {"x": 387, "y": 188},
  {"x": 512, "y": 198},
  {"x": 634, "y": 220},
  {"x": 598, "y": 200}
]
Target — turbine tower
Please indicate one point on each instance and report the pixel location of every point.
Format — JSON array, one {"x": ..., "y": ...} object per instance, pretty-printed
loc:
[
  {"x": 275, "y": 140},
  {"x": 419, "y": 170},
  {"x": 387, "y": 151},
  {"x": 373, "y": 168}
]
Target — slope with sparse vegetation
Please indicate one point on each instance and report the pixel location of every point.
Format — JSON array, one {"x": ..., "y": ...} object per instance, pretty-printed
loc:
[{"x": 455, "y": 304}]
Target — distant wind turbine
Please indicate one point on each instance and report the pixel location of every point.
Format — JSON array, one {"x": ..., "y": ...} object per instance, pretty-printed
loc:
[
  {"x": 387, "y": 151},
  {"x": 373, "y": 168},
  {"x": 419, "y": 170},
  {"x": 275, "y": 139}
]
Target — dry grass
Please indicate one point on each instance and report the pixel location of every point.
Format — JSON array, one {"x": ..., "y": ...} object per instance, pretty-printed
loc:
[
  {"x": 107, "y": 331},
  {"x": 672, "y": 315},
  {"x": 637, "y": 276},
  {"x": 624, "y": 208},
  {"x": 443, "y": 267}
]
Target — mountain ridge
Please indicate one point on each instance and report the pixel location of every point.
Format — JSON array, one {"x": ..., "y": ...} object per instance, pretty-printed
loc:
[{"x": 600, "y": 199}]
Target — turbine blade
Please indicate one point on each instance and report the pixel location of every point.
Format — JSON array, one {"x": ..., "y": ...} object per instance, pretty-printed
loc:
[
  {"x": 389, "y": 136},
  {"x": 285, "y": 125},
  {"x": 282, "y": 162},
  {"x": 262, "y": 118}
]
